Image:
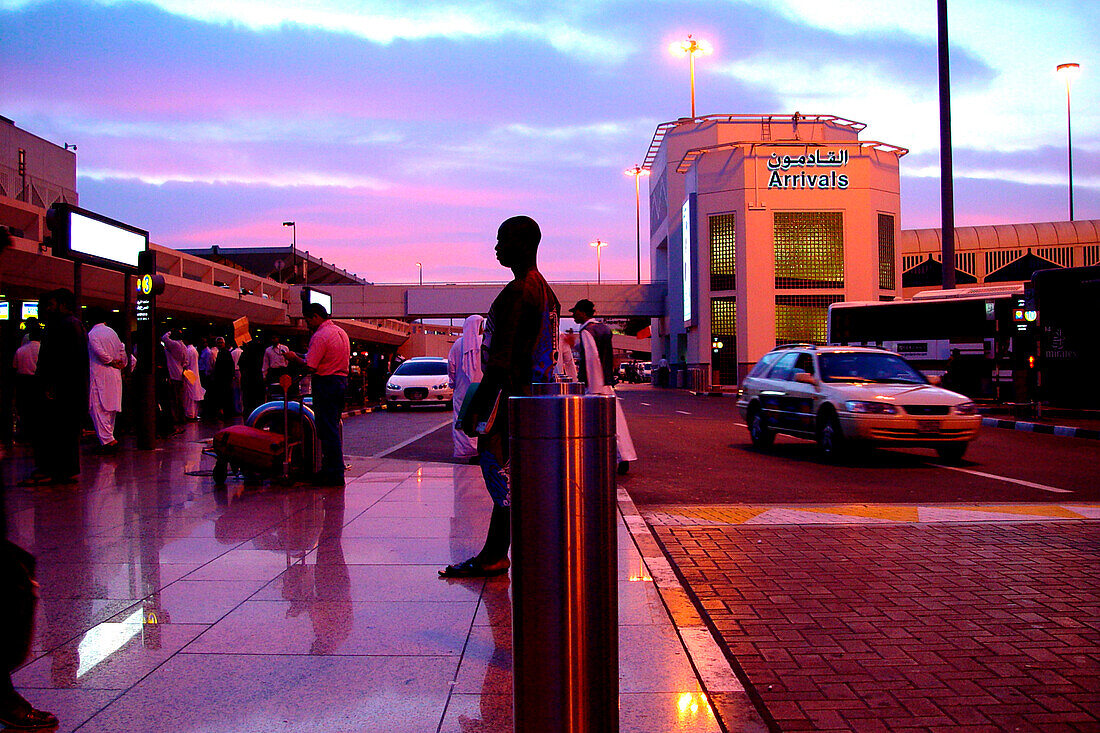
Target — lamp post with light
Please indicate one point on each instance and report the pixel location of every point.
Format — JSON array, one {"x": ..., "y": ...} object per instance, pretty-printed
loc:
[
  {"x": 1070, "y": 72},
  {"x": 420, "y": 272},
  {"x": 691, "y": 46},
  {"x": 637, "y": 171},
  {"x": 293, "y": 245},
  {"x": 598, "y": 244}
]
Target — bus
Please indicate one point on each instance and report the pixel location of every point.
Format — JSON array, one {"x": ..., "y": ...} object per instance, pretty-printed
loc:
[{"x": 981, "y": 341}]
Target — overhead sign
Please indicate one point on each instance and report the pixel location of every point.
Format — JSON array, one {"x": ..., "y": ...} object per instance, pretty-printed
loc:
[
  {"x": 801, "y": 171},
  {"x": 89, "y": 237}
]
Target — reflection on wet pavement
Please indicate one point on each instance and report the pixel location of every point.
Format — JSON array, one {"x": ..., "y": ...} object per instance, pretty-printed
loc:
[{"x": 167, "y": 605}]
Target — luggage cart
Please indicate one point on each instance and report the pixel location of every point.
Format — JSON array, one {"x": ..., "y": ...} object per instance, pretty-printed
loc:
[{"x": 279, "y": 439}]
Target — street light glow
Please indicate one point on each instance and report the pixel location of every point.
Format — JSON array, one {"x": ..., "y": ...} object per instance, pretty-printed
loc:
[
  {"x": 692, "y": 47},
  {"x": 1070, "y": 71}
]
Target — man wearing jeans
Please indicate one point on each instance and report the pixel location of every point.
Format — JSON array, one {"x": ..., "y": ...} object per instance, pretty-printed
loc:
[{"x": 327, "y": 359}]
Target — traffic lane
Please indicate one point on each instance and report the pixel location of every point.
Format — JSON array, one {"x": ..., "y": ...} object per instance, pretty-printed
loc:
[
  {"x": 382, "y": 430},
  {"x": 696, "y": 450}
]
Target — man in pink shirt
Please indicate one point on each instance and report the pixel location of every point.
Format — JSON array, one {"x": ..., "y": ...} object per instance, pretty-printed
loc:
[{"x": 327, "y": 359}]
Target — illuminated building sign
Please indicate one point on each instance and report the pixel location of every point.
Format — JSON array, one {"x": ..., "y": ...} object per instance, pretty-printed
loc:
[
  {"x": 687, "y": 231},
  {"x": 790, "y": 172}
]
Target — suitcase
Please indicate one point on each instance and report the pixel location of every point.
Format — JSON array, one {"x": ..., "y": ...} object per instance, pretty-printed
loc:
[{"x": 247, "y": 447}]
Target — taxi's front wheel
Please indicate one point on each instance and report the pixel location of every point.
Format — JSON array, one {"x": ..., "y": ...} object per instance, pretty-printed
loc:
[
  {"x": 830, "y": 437},
  {"x": 761, "y": 435}
]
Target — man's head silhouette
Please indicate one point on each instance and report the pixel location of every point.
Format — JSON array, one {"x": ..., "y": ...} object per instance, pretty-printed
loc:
[{"x": 517, "y": 242}]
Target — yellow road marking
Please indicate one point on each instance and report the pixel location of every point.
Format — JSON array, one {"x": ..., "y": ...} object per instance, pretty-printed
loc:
[
  {"x": 1028, "y": 509},
  {"x": 870, "y": 511}
]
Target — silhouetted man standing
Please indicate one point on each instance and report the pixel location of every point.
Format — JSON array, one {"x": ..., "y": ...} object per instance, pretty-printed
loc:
[
  {"x": 63, "y": 377},
  {"x": 519, "y": 348}
]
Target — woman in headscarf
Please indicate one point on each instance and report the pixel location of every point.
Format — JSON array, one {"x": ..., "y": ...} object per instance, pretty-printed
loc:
[{"x": 464, "y": 368}]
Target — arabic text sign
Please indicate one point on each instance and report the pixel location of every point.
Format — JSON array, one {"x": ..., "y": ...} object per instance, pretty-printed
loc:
[{"x": 789, "y": 172}]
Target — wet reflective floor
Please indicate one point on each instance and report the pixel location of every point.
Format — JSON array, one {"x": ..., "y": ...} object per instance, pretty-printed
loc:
[{"x": 169, "y": 606}]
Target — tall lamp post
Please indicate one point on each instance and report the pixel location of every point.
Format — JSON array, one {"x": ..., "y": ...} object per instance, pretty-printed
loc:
[
  {"x": 598, "y": 244},
  {"x": 293, "y": 245},
  {"x": 1070, "y": 72},
  {"x": 420, "y": 272},
  {"x": 638, "y": 171},
  {"x": 691, "y": 46}
]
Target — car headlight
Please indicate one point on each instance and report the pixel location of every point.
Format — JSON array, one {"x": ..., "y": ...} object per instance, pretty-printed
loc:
[
  {"x": 442, "y": 386},
  {"x": 874, "y": 408},
  {"x": 966, "y": 408},
  {"x": 393, "y": 386}
]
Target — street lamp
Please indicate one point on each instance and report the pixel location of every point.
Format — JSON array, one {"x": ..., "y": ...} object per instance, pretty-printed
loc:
[
  {"x": 1070, "y": 72},
  {"x": 691, "y": 46},
  {"x": 293, "y": 244},
  {"x": 638, "y": 171},
  {"x": 598, "y": 244},
  {"x": 420, "y": 272}
]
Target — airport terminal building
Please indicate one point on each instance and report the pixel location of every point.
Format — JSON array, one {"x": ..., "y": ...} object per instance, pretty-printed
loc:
[{"x": 759, "y": 222}]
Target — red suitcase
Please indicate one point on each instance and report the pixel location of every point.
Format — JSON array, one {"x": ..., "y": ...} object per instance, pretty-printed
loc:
[{"x": 247, "y": 447}]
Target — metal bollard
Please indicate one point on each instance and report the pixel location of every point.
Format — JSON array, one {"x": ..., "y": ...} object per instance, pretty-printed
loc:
[
  {"x": 556, "y": 389},
  {"x": 564, "y": 557}
]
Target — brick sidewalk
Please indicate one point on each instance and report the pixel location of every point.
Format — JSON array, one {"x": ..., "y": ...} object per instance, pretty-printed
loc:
[{"x": 918, "y": 626}]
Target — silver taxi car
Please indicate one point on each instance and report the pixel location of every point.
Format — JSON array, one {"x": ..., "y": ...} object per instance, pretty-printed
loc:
[{"x": 842, "y": 396}]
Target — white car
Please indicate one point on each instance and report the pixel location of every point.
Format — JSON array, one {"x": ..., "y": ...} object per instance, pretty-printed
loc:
[
  {"x": 420, "y": 380},
  {"x": 844, "y": 395}
]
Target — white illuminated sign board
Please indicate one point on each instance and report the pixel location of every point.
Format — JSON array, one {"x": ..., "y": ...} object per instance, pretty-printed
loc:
[
  {"x": 5, "y": 311},
  {"x": 95, "y": 238},
  {"x": 687, "y": 231},
  {"x": 323, "y": 299},
  {"x": 85, "y": 236},
  {"x": 819, "y": 169},
  {"x": 30, "y": 310}
]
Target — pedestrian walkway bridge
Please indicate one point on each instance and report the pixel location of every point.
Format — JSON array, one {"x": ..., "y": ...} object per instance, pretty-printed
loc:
[{"x": 457, "y": 300}]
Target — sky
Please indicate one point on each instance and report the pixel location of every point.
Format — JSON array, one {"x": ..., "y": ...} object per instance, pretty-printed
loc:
[{"x": 401, "y": 132}]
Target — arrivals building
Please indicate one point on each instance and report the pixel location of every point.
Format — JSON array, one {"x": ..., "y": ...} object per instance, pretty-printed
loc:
[{"x": 758, "y": 223}]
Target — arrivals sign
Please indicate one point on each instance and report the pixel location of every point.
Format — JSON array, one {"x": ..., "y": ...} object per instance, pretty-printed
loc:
[{"x": 806, "y": 171}]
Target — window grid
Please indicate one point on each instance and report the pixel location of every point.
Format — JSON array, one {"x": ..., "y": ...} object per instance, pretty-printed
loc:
[
  {"x": 887, "y": 276},
  {"x": 809, "y": 250},
  {"x": 723, "y": 252},
  {"x": 802, "y": 318}
]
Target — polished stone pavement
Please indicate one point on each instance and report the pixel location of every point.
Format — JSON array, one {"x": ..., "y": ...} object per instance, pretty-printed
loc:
[{"x": 168, "y": 606}]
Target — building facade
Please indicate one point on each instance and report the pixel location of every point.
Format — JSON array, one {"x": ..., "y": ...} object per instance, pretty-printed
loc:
[
  {"x": 999, "y": 254},
  {"x": 758, "y": 223}
]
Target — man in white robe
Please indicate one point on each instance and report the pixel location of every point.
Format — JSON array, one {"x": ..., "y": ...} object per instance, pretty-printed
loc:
[
  {"x": 193, "y": 392},
  {"x": 106, "y": 360},
  {"x": 595, "y": 371},
  {"x": 464, "y": 369}
]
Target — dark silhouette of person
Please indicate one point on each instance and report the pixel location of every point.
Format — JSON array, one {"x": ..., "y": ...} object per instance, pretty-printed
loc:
[
  {"x": 221, "y": 383},
  {"x": 519, "y": 348},
  {"x": 63, "y": 378}
]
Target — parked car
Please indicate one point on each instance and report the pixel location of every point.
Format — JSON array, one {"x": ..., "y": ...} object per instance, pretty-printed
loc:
[
  {"x": 843, "y": 396},
  {"x": 419, "y": 380}
]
